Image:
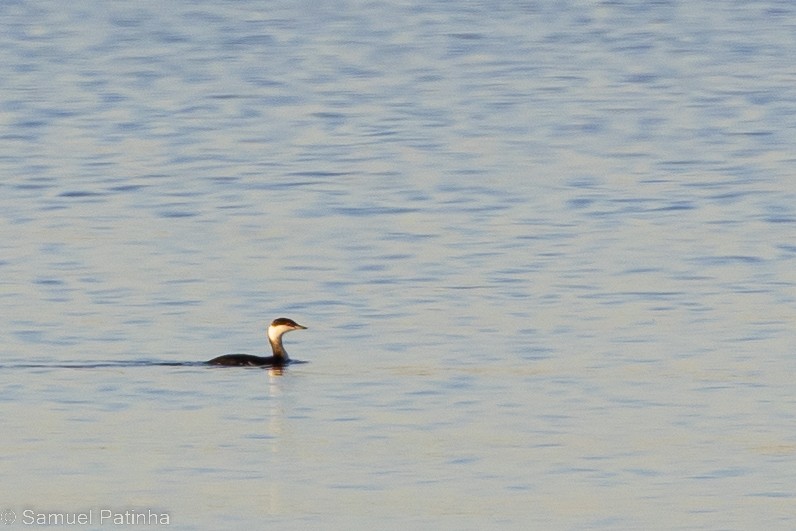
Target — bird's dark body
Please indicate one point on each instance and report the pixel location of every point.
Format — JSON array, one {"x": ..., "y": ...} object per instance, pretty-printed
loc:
[{"x": 248, "y": 360}]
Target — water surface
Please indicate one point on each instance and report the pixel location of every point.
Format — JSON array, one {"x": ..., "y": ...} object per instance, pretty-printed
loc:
[{"x": 545, "y": 254}]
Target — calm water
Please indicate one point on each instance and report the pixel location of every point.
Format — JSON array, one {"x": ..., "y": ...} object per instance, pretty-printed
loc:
[{"x": 545, "y": 252}]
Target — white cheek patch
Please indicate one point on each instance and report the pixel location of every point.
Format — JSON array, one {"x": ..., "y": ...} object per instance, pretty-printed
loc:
[{"x": 275, "y": 332}]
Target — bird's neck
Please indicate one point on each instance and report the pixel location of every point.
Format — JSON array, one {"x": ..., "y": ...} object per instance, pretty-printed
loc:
[{"x": 277, "y": 348}]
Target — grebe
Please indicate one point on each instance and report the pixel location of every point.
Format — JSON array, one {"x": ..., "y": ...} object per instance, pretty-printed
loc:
[{"x": 276, "y": 330}]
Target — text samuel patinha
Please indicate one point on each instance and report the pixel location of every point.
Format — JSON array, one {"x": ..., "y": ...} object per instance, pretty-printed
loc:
[{"x": 95, "y": 516}]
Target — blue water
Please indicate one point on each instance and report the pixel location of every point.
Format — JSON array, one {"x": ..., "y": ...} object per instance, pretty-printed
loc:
[{"x": 545, "y": 253}]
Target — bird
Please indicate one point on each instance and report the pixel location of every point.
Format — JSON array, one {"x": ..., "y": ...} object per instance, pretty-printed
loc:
[{"x": 276, "y": 330}]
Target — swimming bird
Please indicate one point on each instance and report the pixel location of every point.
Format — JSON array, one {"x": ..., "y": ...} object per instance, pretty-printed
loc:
[{"x": 276, "y": 330}]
